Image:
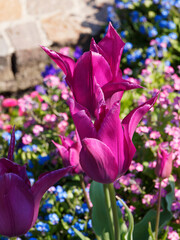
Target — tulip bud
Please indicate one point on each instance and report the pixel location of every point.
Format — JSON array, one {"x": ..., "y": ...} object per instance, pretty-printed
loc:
[{"x": 164, "y": 163}]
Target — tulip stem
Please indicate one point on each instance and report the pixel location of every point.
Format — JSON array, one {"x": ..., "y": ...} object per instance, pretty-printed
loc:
[
  {"x": 115, "y": 212},
  {"x": 85, "y": 193},
  {"x": 109, "y": 209},
  {"x": 158, "y": 211}
]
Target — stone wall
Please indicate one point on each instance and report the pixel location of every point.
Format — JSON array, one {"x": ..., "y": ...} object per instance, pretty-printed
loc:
[{"x": 26, "y": 24}]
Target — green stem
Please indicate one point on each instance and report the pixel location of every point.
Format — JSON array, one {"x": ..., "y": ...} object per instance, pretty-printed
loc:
[
  {"x": 85, "y": 193},
  {"x": 115, "y": 212},
  {"x": 158, "y": 211},
  {"x": 109, "y": 208}
]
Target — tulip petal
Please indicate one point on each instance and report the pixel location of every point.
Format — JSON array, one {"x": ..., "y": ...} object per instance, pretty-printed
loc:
[
  {"x": 85, "y": 85},
  {"x": 66, "y": 63},
  {"x": 16, "y": 206},
  {"x": 7, "y": 166},
  {"x": 12, "y": 145},
  {"x": 84, "y": 125},
  {"x": 113, "y": 87},
  {"x": 44, "y": 182},
  {"x": 111, "y": 133},
  {"x": 131, "y": 121},
  {"x": 64, "y": 153},
  {"x": 112, "y": 46},
  {"x": 98, "y": 161}
]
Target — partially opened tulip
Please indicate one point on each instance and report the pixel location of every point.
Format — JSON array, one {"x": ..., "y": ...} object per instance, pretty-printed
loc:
[
  {"x": 19, "y": 201},
  {"x": 107, "y": 147},
  {"x": 164, "y": 163},
  {"x": 69, "y": 152},
  {"x": 96, "y": 76}
]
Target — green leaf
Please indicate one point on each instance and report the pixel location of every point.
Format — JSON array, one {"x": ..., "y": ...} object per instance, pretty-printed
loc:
[
  {"x": 129, "y": 232},
  {"x": 99, "y": 211},
  {"x": 141, "y": 228},
  {"x": 80, "y": 235}
]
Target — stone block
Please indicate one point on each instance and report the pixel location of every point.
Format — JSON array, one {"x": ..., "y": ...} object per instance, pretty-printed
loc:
[
  {"x": 3, "y": 46},
  {"x": 41, "y": 7},
  {"x": 7, "y": 80},
  {"x": 24, "y": 36},
  {"x": 10, "y": 10}
]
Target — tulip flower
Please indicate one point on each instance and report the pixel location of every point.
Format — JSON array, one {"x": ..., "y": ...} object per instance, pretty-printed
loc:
[
  {"x": 19, "y": 201},
  {"x": 69, "y": 152},
  {"x": 96, "y": 74},
  {"x": 164, "y": 163},
  {"x": 107, "y": 147}
]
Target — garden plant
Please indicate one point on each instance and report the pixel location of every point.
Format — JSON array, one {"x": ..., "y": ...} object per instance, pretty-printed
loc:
[{"x": 93, "y": 152}]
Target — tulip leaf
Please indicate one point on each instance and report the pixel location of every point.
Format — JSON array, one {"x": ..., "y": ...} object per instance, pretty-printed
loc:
[
  {"x": 126, "y": 233},
  {"x": 99, "y": 211},
  {"x": 80, "y": 235},
  {"x": 141, "y": 228}
]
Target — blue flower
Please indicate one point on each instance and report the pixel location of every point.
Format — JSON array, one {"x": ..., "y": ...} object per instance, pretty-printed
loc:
[
  {"x": 142, "y": 29},
  {"x": 89, "y": 224},
  {"x": 165, "y": 12},
  {"x": 163, "y": 24},
  {"x": 137, "y": 54},
  {"x": 173, "y": 35},
  {"x": 127, "y": 47},
  {"x": 30, "y": 164},
  {"x": 177, "y": 3},
  {"x": 79, "y": 226},
  {"x": 42, "y": 227},
  {"x": 33, "y": 238},
  {"x": 71, "y": 232},
  {"x": 6, "y": 136},
  {"x": 43, "y": 159},
  {"x": 134, "y": 16},
  {"x": 30, "y": 174},
  {"x": 61, "y": 194},
  {"x": 53, "y": 218},
  {"x": 68, "y": 218},
  {"x": 151, "y": 52},
  {"x": 143, "y": 19},
  {"x": 40, "y": 89},
  {"x": 158, "y": 18},
  {"x": 46, "y": 206},
  {"x": 27, "y": 148},
  {"x": 79, "y": 209},
  {"x": 18, "y": 135},
  {"x": 85, "y": 207},
  {"x": 119, "y": 204},
  {"x": 167, "y": 63},
  {"x": 50, "y": 70},
  {"x": 171, "y": 25},
  {"x": 78, "y": 52},
  {"x": 123, "y": 34},
  {"x": 152, "y": 32}
]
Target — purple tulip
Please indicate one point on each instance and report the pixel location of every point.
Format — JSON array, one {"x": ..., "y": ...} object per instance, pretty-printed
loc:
[
  {"x": 107, "y": 147},
  {"x": 164, "y": 163},
  {"x": 69, "y": 152},
  {"x": 19, "y": 201},
  {"x": 96, "y": 74}
]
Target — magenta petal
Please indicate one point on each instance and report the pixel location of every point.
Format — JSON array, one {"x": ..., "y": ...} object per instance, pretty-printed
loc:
[
  {"x": 85, "y": 84},
  {"x": 16, "y": 206},
  {"x": 98, "y": 161},
  {"x": 12, "y": 145},
  {"x": 131, "y": 121},
  {"x": 84, "y": 125},
  {"x": 66, "y": 63},
  {"x": 44, "y": 182},
  {"x": 110, "y": 88},
  {"x": 64, "y": 153},
  {"x": 7, "y": 166},
  {"x": 112, "y": 46}
]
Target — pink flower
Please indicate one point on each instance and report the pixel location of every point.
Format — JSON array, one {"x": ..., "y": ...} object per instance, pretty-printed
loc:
[
  {"x": 37, "y": 129},
  {"x": 50, "y": 118},
  {"x": 164, "y": 164},
  {"x": 27, "y": 139},
  {"x": 127, "y": 71},
  {"x": 62, "y": 126},
  {"x": 155, "y": 135},
  {"x": 173, "y": 235},
  {"x": 64, "y": 51},
  {"x": 55, "y": 98},
  {"x": 52, "y": 81},
  {"x": 44, "y": 106},
  {"x": 9, "y": 102}
]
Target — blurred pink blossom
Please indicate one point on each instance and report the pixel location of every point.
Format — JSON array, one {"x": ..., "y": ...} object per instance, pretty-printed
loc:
[
  {"x": 27, "y": 139},
  {"x": 37, "y": 129}
]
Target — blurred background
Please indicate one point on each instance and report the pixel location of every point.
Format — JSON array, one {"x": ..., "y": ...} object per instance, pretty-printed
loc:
[{"x": 25, "y": 25}]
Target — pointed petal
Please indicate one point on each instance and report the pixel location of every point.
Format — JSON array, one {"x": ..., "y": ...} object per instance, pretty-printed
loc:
[
  {"x": 64, "y": 153},
  {"x": 110, "y": 88},
  {"x": 7, "y": 166},
  {"x": 131, "y": 121},
  {"x": 98, "y": 161},
  {"x": 111, "y": 133},
  {"x": 84, "y": 125},
  {"x": 16, "y": 206},
  {"x": 112, "y": 46},
  {"x": 44, "y": 182},
  {"x": 66, "y": 63},
  {"x": 12, "y": 145},
  {"x": 86, "y": 90}
]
